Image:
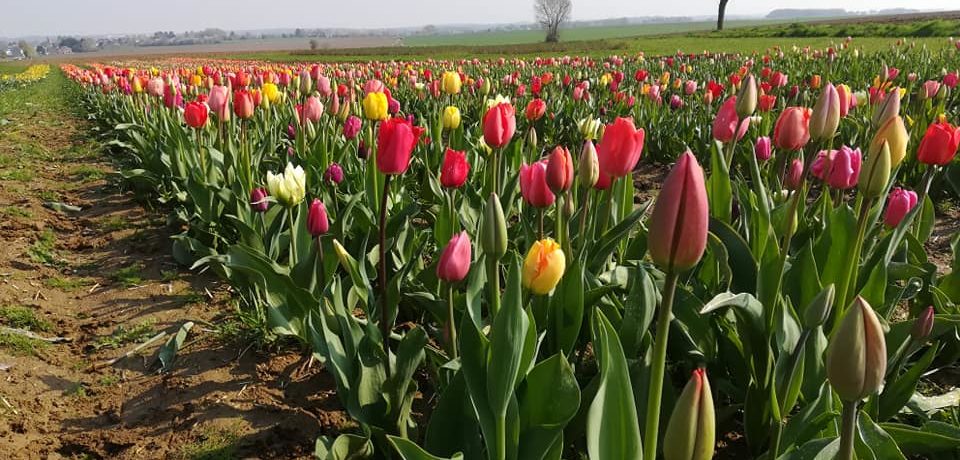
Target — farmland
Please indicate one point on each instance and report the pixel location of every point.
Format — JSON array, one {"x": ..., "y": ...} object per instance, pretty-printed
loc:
[{"x": 603, "y": 248}]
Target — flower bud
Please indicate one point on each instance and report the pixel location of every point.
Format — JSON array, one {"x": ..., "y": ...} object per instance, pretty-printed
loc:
[
  {"x": 877, "y": 168},
  {"x": 691, "y": 432},
  {"x": 258, "y": 200},
  {"x": 532, "y": 138},
  {"x": 794, "y": 175},
  {"x": 857, "y": 353},
  {"x": 819, "y": 308},
  {"x": 560, "y": 170},
  {"x": 747, "y": 97},
  {"x": 589, "y": 167},
  {"x": 923, "y": 325},
  {"x": 893, "y": 132},
  {"x": 763, "y": 148},
  {"x": 889, "y": 109},
  {"x": 451, "y": 118},
  {"x": 493, "y": 234},
  {"x": 543, "y": 266},
  {"x": 588, "y": 127},
  {"x": 317, "y": 222},
  {"x": 455, "y": 260},
  {"x": 899, "y": 203},
  {"x": 678, "y": 226},
  {"x": 826, "y": 114}
]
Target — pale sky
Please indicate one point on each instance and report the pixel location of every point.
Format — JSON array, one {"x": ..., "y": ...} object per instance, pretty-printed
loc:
[{"x": 53, "y": 17}]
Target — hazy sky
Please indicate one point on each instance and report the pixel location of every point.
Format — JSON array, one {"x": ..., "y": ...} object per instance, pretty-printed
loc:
[{"x": 52, "y": 17}]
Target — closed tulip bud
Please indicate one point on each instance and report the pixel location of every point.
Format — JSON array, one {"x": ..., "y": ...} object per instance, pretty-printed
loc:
[
  {"x": 923, "y": 325},
  {"x": 342, "y": 255},
  {"x": 589, "y": 167},
  {"x": 560, "y": 170},
  {"x": 889, "y": 109},
  {"x": 243, "y": 104},
  {"x": 894, "y": 133},
  {"x": 819, "y": 309},
  {"x": 493, "y": 234},
  {"x": 450, "y": 82},
  {"x": 451, "y": 118},
  {"x": 939, "y": 144},
  {"x": 455, "y": 259},
  {"x": 825, "y": 118},
  {"x": 375, "y": 106},
  {"x": 747, "y": 97},
  {"x": 678, "y": 226},
  {"x": 899, "y": 203},
  {"x": 395, "y": 143},
  {"x": 499, "y": 125},
  {"x": 543, "y": 266},
  {"x": 317, "y": 222},
  {"x": 532, "y": 139},
  {"x": 306, "y": 82},
  {"x": 857, "y": 354},
  {"x": 763, "y": 148},
  {"x": 455, "y": 168},
  {"x": 846, "y": 99},
  {"x": 877, "y": 166},
  {"x": 288, "y": 187},
  {"x": 792, "y": 130},
  {"x": 691, "y": 431},
  {"x": 485, "y": 87},
  {"x": 258, "y": 200},
  {"x": 726, "y": 124}
]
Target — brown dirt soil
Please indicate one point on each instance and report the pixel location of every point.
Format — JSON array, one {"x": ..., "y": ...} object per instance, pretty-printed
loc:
[{"x": 105, "y": 269}]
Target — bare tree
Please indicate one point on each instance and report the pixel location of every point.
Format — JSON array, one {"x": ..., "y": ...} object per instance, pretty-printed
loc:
[
  {"x": 721, "y": 14},
  {"x": 550, "y": 15}
]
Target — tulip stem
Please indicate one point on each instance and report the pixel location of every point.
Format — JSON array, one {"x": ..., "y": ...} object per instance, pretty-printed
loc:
[
  {"x": 848, "y": 431},
  {"x": 493, "y": 282},
  {"x": 540, "y": 234},
  {"x": 293, "y": 238},
  {"x": 203, "y": 162},
  {"x": 323, "y": 269},
  {"x": 584, "y": 205},
  {"x": 385, "y": 326},
  {"x": 850, "y": 277},
  {"x": 652, "y": 425},
  {"x": 451, "y": 323}
]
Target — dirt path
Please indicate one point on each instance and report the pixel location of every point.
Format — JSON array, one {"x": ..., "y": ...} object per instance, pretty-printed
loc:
[{"x": 103, "y": 278}]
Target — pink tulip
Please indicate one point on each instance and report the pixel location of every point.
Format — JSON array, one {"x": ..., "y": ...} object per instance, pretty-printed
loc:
[
  {"x": 930, "y": 89},
  {"x": 533, "y": 185},
  {"x": 689, "y": 87},
  {"x": 792, "y": 130},
  {"x": 219, "y": 96},
  {"x": 678, "y": 226},
  {"x": 317, "y": 222},
  {"x": 499, "y": 125},
  {"x": 311, "y": 110},
  {"x": 351, "y": 127},
  {"x": 763, "y": 148},
  {"x": 840, "y": 169},
  {"x": 560, "y": 170},
  {"x": 794, "y": 175},
  {"x": 455, "y": 260},
  {"x": 725, "y": 124},
  {"x": 899, "y": 203},
  {"x": 951, "y": 79}
]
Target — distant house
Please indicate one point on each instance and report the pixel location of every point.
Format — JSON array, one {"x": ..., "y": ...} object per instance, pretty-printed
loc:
[{"x": 13, "y": 52}]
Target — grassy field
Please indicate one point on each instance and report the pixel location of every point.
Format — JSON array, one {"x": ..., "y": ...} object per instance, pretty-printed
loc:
[
  {"x": 7, "y": 67},
  {"x": 576, "y": 34},
  {"x": 656, "y": 45}
]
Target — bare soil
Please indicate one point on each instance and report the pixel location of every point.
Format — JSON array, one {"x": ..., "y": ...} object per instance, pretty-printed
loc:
[{"x": 89, "y": 274}]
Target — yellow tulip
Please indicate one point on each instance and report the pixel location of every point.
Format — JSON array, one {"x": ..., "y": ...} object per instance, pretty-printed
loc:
[
  {"x": 451, "y": 83},
  {"x": 271, "y": 92},
  {"x": 894, "y": 133},
  {"x": 375, "y": 106},
  {"x": 543, "y": 267},
  {"x": 451, "y": 117}
]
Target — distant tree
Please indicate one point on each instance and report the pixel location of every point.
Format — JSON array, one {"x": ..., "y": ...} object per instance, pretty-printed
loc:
[
  {"x": 721, "y": 14},
  {"x": 28, "y": 50},
  {"x": 314, "y": 44},
  {"x": 87, "y": 44},
  {"x": 550, "y": 15}
]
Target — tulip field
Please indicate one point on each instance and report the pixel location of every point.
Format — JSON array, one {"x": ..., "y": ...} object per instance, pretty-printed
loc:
[{"x": 687, "y": 256}]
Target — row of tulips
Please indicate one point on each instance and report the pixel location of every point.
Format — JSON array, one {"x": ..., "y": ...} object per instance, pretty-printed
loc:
[
  {"x": 29, "y": 75},
  {"x": 426, "y": 237}
]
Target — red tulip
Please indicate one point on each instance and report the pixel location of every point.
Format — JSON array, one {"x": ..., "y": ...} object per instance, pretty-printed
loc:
[
  {"x": 195, "y": 114},
  {"x": 317, "y": 222},
  {"x": 939, "y": 144},
  {"x": 560, "y": 170},
  {"x": 792, "y": 130},
  {"x": 395, "y": 143},
  {"x": 455, "y": 168},
  {"x": 725, "y": 124},
  {"x": 536, "y": 109},
  {"x": 455, "y": 260},
  {"x": 620, "y": 148},
  {"x": 499, "y": 125},
  {"x": 766, "y": 102},
  {"x": 603, "y": 181},
  {"x": 533, "y": 185},
  {"x": 678, "y": 226},
  {"x": 242, "y": 104}
]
